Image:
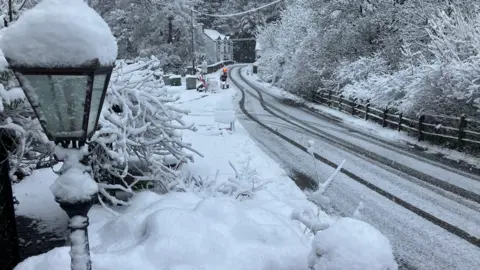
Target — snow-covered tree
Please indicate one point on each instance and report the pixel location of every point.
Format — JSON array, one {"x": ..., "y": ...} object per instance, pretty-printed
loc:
[
  {"x": 10, "y": 10},
  {"x": 245, "y": 23},
  {"x": 160, "y": 28}
]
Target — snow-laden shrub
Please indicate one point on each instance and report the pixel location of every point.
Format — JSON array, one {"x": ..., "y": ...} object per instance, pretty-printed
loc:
[
  {"x": 455, "y": 44},
  {"x": 437, "y": 89},
  {"x": 243, "y": 186},
  {"x": 140, "y": 132},
  {"x": 381, "y": 90},
  {"x": 361, "y": 69},
  {"x": 443, "y": 89}
]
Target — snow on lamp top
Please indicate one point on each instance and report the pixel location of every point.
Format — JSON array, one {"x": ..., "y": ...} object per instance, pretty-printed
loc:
[{"x": 59, "y": 33}]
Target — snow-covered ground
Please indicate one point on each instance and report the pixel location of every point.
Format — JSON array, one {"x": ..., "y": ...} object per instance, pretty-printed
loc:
[
  {"x": 367, "y": 126},
  {"x": 203, "y": 228}
]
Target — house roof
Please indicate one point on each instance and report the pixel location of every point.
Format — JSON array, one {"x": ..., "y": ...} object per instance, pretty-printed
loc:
[{"x": 214, "y": 34}]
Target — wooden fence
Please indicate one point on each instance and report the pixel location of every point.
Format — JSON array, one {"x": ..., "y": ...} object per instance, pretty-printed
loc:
[{"x": 440, "y": 129}]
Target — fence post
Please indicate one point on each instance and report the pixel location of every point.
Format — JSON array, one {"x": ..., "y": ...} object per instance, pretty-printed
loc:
[
  {"x": 366, "y": 111},
  {"x": 353, "y": 105},
  {"x": 313, "y": 97},
  {"x": 329, "y": 97},
  {"x": 384, "y": 117},
  {"x": 421, "y": 119},
  {"x": 400, "y": 118},
  {"x": 461, "y": 129},
  {"x": 340, "y": 103}
]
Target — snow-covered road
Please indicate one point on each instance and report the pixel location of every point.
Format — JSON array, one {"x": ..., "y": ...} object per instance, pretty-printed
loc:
[{"x": 430, "y": 212}]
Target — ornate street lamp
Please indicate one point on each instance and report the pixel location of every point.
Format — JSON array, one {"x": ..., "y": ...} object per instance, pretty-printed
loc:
[
  {"x": 64, "y": 72},
  {"x": 66, "y": 101}
]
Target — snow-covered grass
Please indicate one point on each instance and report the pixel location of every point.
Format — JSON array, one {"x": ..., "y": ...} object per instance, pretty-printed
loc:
[
  {"x": 207, "y": 227},
  {"x": 59, "y": 33},
  {"x": 367, "y": 126}
]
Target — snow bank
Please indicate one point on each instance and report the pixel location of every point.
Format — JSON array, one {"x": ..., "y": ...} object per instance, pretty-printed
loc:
[
  {"x": 183, "y": 231},
  {"x": 225, "y": 111},
  {"x": 351, "y": 244},
  {"x": 59, "y": 33}
]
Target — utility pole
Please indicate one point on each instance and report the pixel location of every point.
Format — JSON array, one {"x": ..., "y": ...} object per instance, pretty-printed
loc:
[
  {"x": 10, "y": 10},
  {"x": 193, "y": 42},
  {"x": 170, "y": 30}
]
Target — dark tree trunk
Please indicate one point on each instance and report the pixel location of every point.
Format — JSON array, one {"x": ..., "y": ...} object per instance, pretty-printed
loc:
[{"x": 170, "y": 30}]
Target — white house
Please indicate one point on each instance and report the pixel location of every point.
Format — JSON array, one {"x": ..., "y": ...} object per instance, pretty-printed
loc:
[{"x": 218, "y": 47}]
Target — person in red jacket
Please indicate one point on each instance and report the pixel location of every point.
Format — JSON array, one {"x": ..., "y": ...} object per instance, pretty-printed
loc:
[{"x": 223, "y": 78}]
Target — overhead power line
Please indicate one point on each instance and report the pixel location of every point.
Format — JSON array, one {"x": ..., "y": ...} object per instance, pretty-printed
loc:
[{"x": 239, "y": 13}]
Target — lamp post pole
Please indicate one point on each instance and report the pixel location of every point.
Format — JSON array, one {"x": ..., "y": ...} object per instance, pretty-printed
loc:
[
  {"x": 193, "y": 42},
  {"x": 10, "y": 10},
  {"x": 77, "y": 211}
]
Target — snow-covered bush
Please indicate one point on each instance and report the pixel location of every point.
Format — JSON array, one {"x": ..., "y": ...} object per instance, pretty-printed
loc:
[
  {"x": 380, "y": 89},
  {"x": 140, "y": 132},
  {"x": 455, "y": 73},
  {"x": 243, "y": 186},
  {"x": 361, "y": 69}
]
